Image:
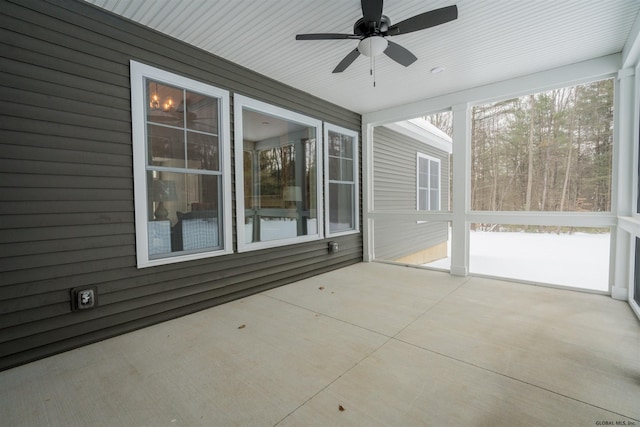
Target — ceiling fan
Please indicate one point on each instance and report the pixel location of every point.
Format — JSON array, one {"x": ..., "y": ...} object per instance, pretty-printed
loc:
[{"x": 373, "y": 28}]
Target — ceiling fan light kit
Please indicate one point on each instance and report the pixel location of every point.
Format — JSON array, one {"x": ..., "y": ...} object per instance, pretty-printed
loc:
[
  {"x": 373, "y": 46},
  {"x": 373, "y": 29}
]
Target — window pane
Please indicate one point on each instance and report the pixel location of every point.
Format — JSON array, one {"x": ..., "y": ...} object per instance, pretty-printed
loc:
[
  {"x": 248, "y": 179},
  {"x": 549, "y": 151},
  {"x": 335, "y": 144},
  {"x": 340, "y": 145},
  {"x": 347, "y": 170},
  {"x": 164, "y": 104},
  {"x": 310, "y": 179},
  {"x": 166, "y": 146},
  {"x": 434, "y": 202},
  {"x": 202, "y": 113},
  {"x": 202, "y": 151},
  {"x": 280, "y": 194},
  {"x": 334, "y": 169},
  {"x": 340, "y": 169},
  {"x": 277, "y": 168},
  {"x": 423, "y": 199},
  {"x": 183, "y": 212},
  {"x": 434, "y": 176},
  {"x": 347, "y": 147},
  {"x": 341, "y": 207},
  {"x": 423, "y": 165},
  {"x": 423, "y": 180}
]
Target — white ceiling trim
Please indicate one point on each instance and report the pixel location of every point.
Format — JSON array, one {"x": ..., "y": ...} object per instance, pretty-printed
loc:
[{"x": 598, "y": 68}]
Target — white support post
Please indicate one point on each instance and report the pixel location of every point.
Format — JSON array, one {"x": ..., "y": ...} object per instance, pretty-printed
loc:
[
  {"x": 623, "y": 175},
  {"x": 368, "y": 254},
  {"x": 461, "y": 189}
]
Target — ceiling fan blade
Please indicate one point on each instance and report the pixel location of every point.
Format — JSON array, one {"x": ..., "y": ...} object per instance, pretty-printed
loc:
[
  {"x": 348, "y": 60},
  {"x": 326, "y": 36},
  {"x": 424, "y": 20},
  {"x": 399, "y": 54},
  {"x": 372, "y": 11}
]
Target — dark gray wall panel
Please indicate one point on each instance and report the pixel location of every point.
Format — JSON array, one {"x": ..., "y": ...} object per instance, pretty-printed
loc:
[{"x": 66, "y": 182}]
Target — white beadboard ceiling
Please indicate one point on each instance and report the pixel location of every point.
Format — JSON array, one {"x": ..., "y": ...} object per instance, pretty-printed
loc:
[{"x": 492, "y": 40}]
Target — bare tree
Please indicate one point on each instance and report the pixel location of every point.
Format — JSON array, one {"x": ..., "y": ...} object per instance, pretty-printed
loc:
[{"x": 549, "y": 151}]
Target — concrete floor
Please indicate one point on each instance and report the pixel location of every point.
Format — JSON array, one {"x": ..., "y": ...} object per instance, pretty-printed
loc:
[{"x": 368, "y": 345}]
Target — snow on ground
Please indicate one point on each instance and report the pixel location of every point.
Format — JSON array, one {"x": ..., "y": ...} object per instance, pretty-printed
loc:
[{"x": 578, "y": 260}]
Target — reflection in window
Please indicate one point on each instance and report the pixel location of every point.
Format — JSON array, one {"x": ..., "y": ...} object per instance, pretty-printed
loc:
[
  {"x": 183, "y": 173},
  {"x": 342, "y": 184},
  {"x": 279, "y": 179}
]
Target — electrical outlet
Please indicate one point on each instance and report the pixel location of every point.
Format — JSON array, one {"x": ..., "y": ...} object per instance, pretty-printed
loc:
[{"x": 84, "y": 298}]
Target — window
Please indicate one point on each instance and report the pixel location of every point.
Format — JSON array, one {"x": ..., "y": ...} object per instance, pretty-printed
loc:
[
  {"x": 278, "y": 198},
  {"x": 428, "y": 180},
  {"x": 181, "y": 148},
  {"x": 341, "y": 181}
]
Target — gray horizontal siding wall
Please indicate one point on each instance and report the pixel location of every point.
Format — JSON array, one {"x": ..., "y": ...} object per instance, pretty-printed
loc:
[
  {"x": 66, "y": 182},
  {"x": 394, "y": 183}
]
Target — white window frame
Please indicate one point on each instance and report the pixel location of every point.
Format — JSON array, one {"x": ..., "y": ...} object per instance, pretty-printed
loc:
[
  {"x": 241, "y": 102},
  {"x": 140, "y": 72},
  {"x": 430, "y": 159},
  {"x": 328, "y": 127}
]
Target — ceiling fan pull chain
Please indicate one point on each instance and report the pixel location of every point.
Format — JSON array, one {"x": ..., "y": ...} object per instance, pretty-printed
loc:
[
  {"x": 374, "y": 71},
  {"x": 370, "y": 61},
  {"x": 372, "y": 68},
  {"x": 372, "y": 65}
]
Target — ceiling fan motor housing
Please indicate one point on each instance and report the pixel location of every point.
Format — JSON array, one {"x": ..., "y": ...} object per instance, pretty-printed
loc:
[{"x": 367, "y": 29}]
